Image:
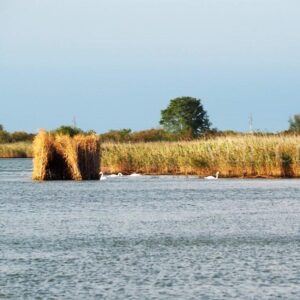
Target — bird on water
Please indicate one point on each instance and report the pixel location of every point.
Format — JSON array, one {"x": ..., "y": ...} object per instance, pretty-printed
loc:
[
  {"x": 115, "y": 175},
  {"x": 135, "y": 175},
  {"x": 212, "y": 177},
  {"x": 102, "y": 177}
]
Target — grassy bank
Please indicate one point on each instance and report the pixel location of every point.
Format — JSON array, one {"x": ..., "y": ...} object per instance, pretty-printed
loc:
[
  {"x": 15, "y": 150},
  {"x": 246, "y": 156},
  {"x": 241, "y": 156}
]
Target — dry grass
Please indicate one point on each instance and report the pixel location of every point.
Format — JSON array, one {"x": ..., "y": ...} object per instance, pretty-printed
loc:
[
  {"x": 67, "y": 148},
  {"x": 43, "y": 152},
  {"x": 244, "y": 156},
  {"x": 62, "y": 157},
  {"x": 20, "y": 149},
  {"x": 241, "y": 156},
  {"x": 88, "y": 154}
]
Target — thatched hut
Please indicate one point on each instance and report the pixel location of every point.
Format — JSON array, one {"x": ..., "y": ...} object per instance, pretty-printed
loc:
[{"x": 61, "y": 157}]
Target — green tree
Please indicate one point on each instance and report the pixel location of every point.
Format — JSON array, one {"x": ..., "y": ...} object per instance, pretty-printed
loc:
[
  {"x": 1, "y": 127},
  {"x": 21, "y": 136},
  {"x": 68, "y": 130},
  {"x": 295, "y": 123},
  {"x": 4, "y": 137},
  {"x": 185, "y": 115},
  {"x": 120, "y": 136},
  {"x": 151, "y": 135}
]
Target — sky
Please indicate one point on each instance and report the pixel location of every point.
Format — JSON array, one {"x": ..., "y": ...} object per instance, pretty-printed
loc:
[{"x": 116, "y": 64}]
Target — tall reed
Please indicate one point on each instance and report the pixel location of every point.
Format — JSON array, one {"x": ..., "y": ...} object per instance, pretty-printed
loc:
[
  {"x": 242, "y": 156},
  {"x": 237, "y": 156},
  {"x": 12, "y": 150},
  {"x": 61, "y": 157}
]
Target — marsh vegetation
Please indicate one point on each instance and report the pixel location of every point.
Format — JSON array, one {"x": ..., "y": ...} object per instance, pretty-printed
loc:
[
  {"x": 241, "y": 156},
  {"x": 185, "y": 144},
  {"x": 233, "y": 156}
]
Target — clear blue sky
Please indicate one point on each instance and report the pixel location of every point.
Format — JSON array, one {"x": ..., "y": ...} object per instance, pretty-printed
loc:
[{"x": 115, "y": 64}]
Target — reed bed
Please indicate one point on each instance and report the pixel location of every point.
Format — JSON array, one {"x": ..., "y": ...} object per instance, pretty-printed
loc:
[
  {"x": 16, "y": 150},
  {"x": 242, "y": 156}
]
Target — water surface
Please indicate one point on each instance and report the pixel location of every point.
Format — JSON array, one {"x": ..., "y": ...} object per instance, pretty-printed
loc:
[{"x": 147, "y": 238}]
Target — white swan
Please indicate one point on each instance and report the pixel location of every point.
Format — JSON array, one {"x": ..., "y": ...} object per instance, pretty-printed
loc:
[
  {"x": 212, "y": 177},
  {"x": 102, "y": 177},
  {"x": 115, "y": 175},
  {"x": 135, "y": 175}
]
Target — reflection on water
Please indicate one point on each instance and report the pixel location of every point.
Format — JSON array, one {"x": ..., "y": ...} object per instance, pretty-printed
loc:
[{"x": 148, "y": 238}]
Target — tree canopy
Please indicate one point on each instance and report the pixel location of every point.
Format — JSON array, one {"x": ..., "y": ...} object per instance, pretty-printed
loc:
[
  {"x": 185, "y": 115},
  {"x": 68, "y": 130},
  {"x": 295, "y": 123}
]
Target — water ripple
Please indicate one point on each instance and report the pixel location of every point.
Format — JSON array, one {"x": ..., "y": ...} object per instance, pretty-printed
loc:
[{"x": 151, "y": 238}]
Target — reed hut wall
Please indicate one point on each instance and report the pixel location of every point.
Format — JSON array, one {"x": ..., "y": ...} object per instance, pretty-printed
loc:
[{"x": 60, "y": 157}]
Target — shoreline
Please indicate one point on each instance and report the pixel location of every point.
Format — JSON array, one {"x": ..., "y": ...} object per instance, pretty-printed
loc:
[
  {"x": 249, "y": 157},
  {"x": 189, "y": 175}
]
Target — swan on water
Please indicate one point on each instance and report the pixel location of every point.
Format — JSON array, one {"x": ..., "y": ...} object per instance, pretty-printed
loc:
[
  {"x": 212, "y": 177},
  {"x": 135, "y": 175},
  {"x": 115, "y": 175},
  {"x": 102, "y": 177}
]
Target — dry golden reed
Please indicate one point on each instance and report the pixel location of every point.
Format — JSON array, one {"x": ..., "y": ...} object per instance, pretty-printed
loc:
[
  {"x": 13, "y": 150},
  {"x": 58, "y": 157},
  {"x": 241, "y": 156},
  {"x": 88, "y": 155}
]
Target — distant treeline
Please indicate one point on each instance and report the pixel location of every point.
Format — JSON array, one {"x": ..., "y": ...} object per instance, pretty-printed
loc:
[
  {"x": 160, "y": 135},
  {"x": 15, "y": 137},
  {"x": 129, "y": 136},
  {"x": 185, "y": 119}
]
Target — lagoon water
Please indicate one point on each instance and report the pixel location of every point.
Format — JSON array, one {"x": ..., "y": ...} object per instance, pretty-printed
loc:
[{"x": 148, "y": 238}]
